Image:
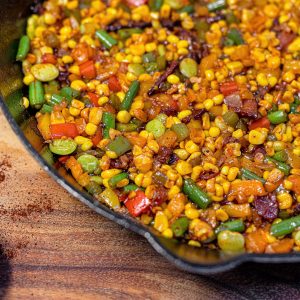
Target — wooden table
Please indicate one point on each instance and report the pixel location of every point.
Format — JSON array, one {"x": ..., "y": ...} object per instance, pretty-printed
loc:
[{"x": 53, "y": 247}]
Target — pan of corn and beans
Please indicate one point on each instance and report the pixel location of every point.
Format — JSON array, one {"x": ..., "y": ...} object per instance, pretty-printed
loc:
[{"x": 179, "y": 116}]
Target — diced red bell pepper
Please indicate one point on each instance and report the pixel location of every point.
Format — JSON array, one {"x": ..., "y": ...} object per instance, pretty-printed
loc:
[
  {"x": 97, "y": 137},
  {"x": 48, "y": 58},
  {"x": 138, "y": 204},
  {"x": 260, "y": 123},
  {"x": 94, "y": 98},
  {"x": 228, "y": 88},
  {"x": 88, "y": 70},
  {"x": 63, "y": 159},
  {"x": 66, "y": 129},
  {"x": 114, "y": 84}
]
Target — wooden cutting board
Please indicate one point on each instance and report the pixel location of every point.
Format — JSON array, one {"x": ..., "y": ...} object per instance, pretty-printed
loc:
[{"x": 53, "y": 247}]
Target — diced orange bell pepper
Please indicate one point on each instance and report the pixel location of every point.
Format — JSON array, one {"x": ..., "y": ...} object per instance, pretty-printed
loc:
[
  {"x": 281, "y": 246},
  {"x": 48, "y": 58},
  {"x": 256, "y": 241},
  {"x": 88, "y": 70},
  {"x": 246, "y": 188},
  {"x": 63, "y": 130}
]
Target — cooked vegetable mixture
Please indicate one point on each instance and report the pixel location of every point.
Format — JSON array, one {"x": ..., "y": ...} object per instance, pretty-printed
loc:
[{"x": 184, "y": 114}]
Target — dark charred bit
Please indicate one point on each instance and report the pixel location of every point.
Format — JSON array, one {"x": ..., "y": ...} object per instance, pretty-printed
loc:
[
  {"x": 169, "y": 24},
  {"x": 173, "y": 159},
  {"x": 64, "y": 76},
  {"x": 123, "y": 162},
  {"x": 169, "y": 111},
  {"x": 229, "y": 140},
  {"x": 267, "y": 206},
  {"x": 259, "y": 149},
  {"x": 156, "y": 87},
  {"x": 208, "y": 175},
  {"x": 160, "y": 195},
  {"x": 196, "y": 115},
  {"x": 163, "y": 155},
  {"x": 37, "y": 7},
  {"x": 131, "y": 24}
]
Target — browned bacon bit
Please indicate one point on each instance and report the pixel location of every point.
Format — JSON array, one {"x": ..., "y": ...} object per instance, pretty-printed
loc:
[
  {"x": 123, "y": 162},
  {"x": 267, "y": 206},
  {"x": 155, "y": 88},
  {"x": 131, "y": 24},
  {"x": 160, "y": 195},
  {"x": 208, "y": 175},
  {"x": 196, "y": 115},
  {"x": 164, "y": 154},
  {"x": 249, "y": 109}
]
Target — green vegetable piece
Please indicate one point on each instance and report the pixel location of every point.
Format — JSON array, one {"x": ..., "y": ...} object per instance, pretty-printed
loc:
[
  {"x": 106, "y": 40},
  {"x": 116, "y": 179},
  {"x": 180, "y": 226},
  {"x": 195, "y": 194},
  {"x": 188, "y": 67},
  {"x": 94, "y": 188},
  {"x": 285, "y": 227},
  {"x": 130, "y": 187},
  {"x": 56, "y": 99},
  {"x": 155, "y": 5},
  {"x": 187, "y": 9},
  {"x": 231, "y": 18},
  {"x": 230, "y": 241},
  {"x": 109, "y": 122},
  {"x": 281, "y": 156},
  {"x": 236, "y": 225},
  {"x": 162, "y": 117},
  {"x": 161, "y": 63},
  {"x": 130, "y": 95},
  {"x": 36, "y": 94},
  {"x": 216, "y": 5},
  {"x": 63, "y": 147},
  {"x": 46, "y": 109},
  {"x": 277, "y": 117},
  {"x": 97, "y": 179},
  {"x": 181, "y": 131},
  {"x": 115, "y": 101},
  {"x": 24, "y": 47},
  {"x": 285, "y": 168},
  {"x": 136, "y": 69},
  {"x": 231, "y": 118},
  {"x": 88, "y": 162},
  {"x": 294, "y": 108},
  {"x": 109, "y": 197},
  {"x": 120, "y": 145},
  {"x": 126, "y": 127},
  {"x": 47, "y": 155},
  {"x": 250, "y": 175},
  {"x": 151, "y": 67},
  {"x": 128, "y": 32},
  {"x": 68, "y": 93},
  {"x": 235, "y": 36},
  {"x": 156, "y": 127},
  {"x": 201, "y": 27},
  {"x": 149, "y": 57}
]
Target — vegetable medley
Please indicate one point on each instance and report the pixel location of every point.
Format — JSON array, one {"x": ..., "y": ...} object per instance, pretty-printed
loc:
[{"x": 185, "y": 115}]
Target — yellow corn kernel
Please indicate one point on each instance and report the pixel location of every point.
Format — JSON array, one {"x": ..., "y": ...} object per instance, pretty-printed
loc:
[
  {"x": 87, "y": 145},
  {"x": 173, "y": 79},
  {"x": 274, "y": 62},
  {"x": 182, "y": 51},
  {"x": 235, "y": 67},
  {"x": 214, "y": 132},
  {"x": 102, "y": 89},
  {"x": 145, "y": 77},
  {"x": 138, "y": 49},
  {"x": 182, "y": 44},
  {"x": 29, "y": 78},
  {"x": 160, "y": 222},
  {"x": 285, "y": 200},
  {"x": 72, "y": 4},
  {"x": 226, "y": 187},
  {"x": 67, "y": 59},
  {"x": 266, "y": 175},
  {"x": 287, "y": 184},
  {"x": 173, "y": 191},
  {"x": 123, "y": 183},
  {"x": 191, "y": 147},
  {"x": 184, "y": 168},
  {"x": 77, "y": 104},
  {"x": 218, "y": 99},
  {"x": 182, "y": 153},
  {"x": 136, "y": 59},
  {"x": 165, "y": 11},
  {"x": 272, "y": 81},
  {"x": 80, "y": 140},
  {"x": 168, "y": 233},
  {"x": 232, "y": 173},
  {"x": 208, "y": 104},
  {"x": 25, "y": 102},
  {"x": 221, "y": 215},
  {"x": 261, "y": 79},
  {"x": 123, "y": 116},
  {"x": 172, "y": 39},
  {"x": 150, "y": 47},
  {"x": 288, "y": 76},
  {"x": 78, "y": 85},
  {"x": 257, "y": 137},
  {"x": 91, "y": 129},
  {"x": 74, "y": 111},
  {"x": 194, "y": 243},
  {"x": 184, "y": 113},
  {"x": 110, "y": 173},
  {"x": 240, "y": 79},
  {"x": 192, "y": 213},
  {"x": 237, "y": 133},
  {"x": 49, "y": 18},
  {"x": 74, "y": 70},
  {"x": 153, "y": 145},
  {"x": 219, "y": 190},
  {"x": 95, "y": 115},
  {"x": 225, "y": 170},
  {"x": 72, "y": 44},
  {"x": 210, "y": 75},
  {"x": 103, "y": 100}
]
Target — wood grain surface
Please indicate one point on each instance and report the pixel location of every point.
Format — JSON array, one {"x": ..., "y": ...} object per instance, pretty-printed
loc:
[{"x": 53, "y": 247}]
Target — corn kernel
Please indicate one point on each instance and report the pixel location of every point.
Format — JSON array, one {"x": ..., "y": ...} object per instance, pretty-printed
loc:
[
  {"x": 174, "y": 190},
  {"x": 288, "y": 76},
  {"x": 168, "y": 233},
  {"x": 214, "y": 132},
  {"x": 67, "y": 59},
  {"x": 191, "y": 147},
  {"x": 29, "y": 78},
  {"x": 90, "y": 129},
  {"x": 110, "y": 173},
  {"x": 87, "y": 145},
  {"x": 221, "y": 215},
  {"x": 182, "y": 153},
  {"x": 232, "y": 173},
  {"x": 274, "y": 62},
  {"x": 192, "y": 213},
  {"x": 261, "y": 79},
  {"x": 184, "y": 168},
  {"x": 25, "y": 102},
  {"x": 123, "y": 116},
  {"x": 184, "y": 113},
  {"x": 111, "y": 154},
  {"x": 210, "y": 75},
  {"x": 235, "y": 67},
  {"x": 77, "y": 104},
  {"x": 218, "y": 99},
  {"x": 173, "y": 79},
  {"x": 194, "y": 243},
  {"x": 257, "y": 137},
  {"x": 78, "y": 85},
  {"x": 285, "y": 200},
  {"x": 237, "y": 134},
  {"x": 74, "y": 111},
  {"x": 160, "y": 222}
]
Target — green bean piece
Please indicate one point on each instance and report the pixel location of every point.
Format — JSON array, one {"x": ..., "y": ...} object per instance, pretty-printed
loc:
[
  {"x": 216, "y": 5},
  {"x": 97, "y": 179},
  {"x": 109, "y": 197},
  {"x": 46, "y": 109},
  {"x": 63, "y": 147},
  {"x": 120, "y": 145},
  {"x": 285, "y": 168},
  {"x": 151, "y": 67},
  {"x": 130, "y": 187},
  {"x": 180, "y": 226},
  {"x": 107, "y": 40},
  {"x": 187, "y": 9},
  {"x": 51, "y": 87},
  {"x": 281, "y": 156},
  {"x": 47, "y": 155},
  {"x": 136, "y": 69},
  {"x": 285, "y": 227},
  {"x": 181, "y": 131},
  {"x": 94, "y": 188},
  {"x": 88, "y": 162},
  {"x": 195, "y": 194},
  {"x": 149, "y": 57},
  {"x": 116, "y": 179},
  {"x": 156, "y": 127},
  {"x": 294, "y": 108},
  {"x": 230, "y": 241},
  {"x": 56, "y": 99},
  {"x": 250, "y": 175},
  {"x": 235, "y": 36},
  {"x": 109, "y": 122},
  {"x": 36, "y": 94},
  {"x": 201, "y": 27},
  {"x": 126, "y": 127},
  {"x": 130, "y": 95},
  {"x": 155, "y": 5},
  {"x": 115, "y": 101},
  {"x": 188, "y": 67},
  {"x": 24, "y": 47},
  {"x": 231, "y": 118},
  {"x": 277, "y": 117},
  {"x": 128, "y": 32},
  {"x": 68, "y": 93},
  {"x": 235, "y": 225}
]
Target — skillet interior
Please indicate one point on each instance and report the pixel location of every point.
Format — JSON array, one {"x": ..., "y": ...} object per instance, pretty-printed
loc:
[{"x": 14, "y": 14}]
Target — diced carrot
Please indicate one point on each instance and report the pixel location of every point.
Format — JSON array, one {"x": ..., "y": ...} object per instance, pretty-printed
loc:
[
  {"x": 48, "y": 58},
  {"x": 260, "y": 123},
  {"x": 114, "y": 84},
  {"x": 88, "y": 70},
  {"x": 245, "y": 188}
]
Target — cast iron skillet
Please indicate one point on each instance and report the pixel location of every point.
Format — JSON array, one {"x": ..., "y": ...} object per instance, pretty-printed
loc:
[{"x": 201, "y": 261}]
